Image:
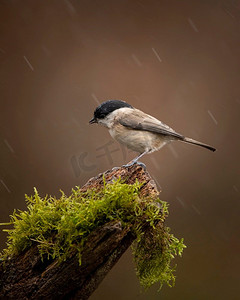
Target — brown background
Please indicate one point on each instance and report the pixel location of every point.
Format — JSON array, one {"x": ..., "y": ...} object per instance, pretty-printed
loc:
[{"x": 177, "y": 60}]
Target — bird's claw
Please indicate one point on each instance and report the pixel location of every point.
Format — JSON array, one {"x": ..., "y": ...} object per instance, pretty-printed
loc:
[
  {"x": 142, "y": 165},
  {"x": 115, "y": 168},
  {"x": 131, "y": 163}
]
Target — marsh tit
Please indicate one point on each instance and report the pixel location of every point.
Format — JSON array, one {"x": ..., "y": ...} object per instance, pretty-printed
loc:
[{"x": 137, "y": 130}]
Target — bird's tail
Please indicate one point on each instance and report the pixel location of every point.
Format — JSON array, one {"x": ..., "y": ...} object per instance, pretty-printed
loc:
[{"x": 191, "y": 141}]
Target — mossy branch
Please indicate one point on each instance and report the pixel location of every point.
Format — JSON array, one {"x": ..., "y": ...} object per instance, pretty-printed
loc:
[{"x": 63, "y": 248}]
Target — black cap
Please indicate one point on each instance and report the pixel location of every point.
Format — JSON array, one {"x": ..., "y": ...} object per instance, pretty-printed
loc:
[{"x": 106, "y": 108}]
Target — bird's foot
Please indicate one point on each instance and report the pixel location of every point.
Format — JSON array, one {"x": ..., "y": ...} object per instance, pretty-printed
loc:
[
  {"x": 131, "y": 163},
  {"x": 142, "y": 165},
  {"x": 115, "y": 168}
]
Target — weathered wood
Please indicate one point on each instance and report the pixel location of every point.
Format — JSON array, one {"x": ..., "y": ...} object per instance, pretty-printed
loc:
[{"x": 28, "y": 277}]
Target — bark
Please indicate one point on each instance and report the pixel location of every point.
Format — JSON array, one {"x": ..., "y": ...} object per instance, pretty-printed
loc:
[{"x": 29, "y": 277}]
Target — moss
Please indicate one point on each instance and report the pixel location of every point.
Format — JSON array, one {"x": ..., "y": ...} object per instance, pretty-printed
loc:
[{"x": 60, "y": 225}]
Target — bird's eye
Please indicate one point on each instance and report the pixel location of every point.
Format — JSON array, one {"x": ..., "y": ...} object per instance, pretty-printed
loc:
[{"x": 102, "y": 116}]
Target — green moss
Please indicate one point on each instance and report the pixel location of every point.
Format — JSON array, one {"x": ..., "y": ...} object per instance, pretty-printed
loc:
[{"x": 60, "y": 225}]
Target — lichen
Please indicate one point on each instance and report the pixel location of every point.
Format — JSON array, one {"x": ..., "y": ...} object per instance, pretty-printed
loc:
[{"x": 58, "y": 226}]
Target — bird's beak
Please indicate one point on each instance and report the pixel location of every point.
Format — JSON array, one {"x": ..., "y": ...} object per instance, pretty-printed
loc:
[{"x": 93, "y": 120}]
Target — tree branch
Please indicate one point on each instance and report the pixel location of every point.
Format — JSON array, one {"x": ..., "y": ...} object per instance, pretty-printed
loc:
[{"x": 28, "y": 277}]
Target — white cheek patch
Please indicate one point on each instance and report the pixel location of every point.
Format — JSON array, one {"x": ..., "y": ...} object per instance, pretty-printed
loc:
[{"x": 109, "y": 120}]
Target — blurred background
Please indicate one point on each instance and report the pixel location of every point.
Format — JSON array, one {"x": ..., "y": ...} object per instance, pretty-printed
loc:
[{"x": 178, "y": 61}]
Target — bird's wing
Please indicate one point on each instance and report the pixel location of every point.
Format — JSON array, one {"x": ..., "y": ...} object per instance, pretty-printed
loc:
[{"x": 148, "y": 123}]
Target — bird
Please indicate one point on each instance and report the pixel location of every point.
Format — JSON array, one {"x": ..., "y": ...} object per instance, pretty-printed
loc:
[{"x": 137, "y": 130}]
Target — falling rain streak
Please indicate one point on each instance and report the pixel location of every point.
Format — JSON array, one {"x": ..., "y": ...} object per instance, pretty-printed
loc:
[
  {"x": 5, "y": 186},
  {"x": 180, "y": 201},
  {"x": 155, "y": 163},
  {"x": 9, "y": 146},
  {"x": 196, "y": 209},
  {"x": 27, "y": 61},
  {"x": 174, "y": 152},
  {"x": 212, "y": 117},
  {"x": 235, "y": 188},
  {"x": 229, "y": 13},
  {"x": 136, "y": 60},
  {"x": 157, "y": 55},
  {"x": 95, "y": 98},
  {"x": 194, "y": 27},
  {"x": 157, "y": 182},
  {"x": 70, "y": 7}
]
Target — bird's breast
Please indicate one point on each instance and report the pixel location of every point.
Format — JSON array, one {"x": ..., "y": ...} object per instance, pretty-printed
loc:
[{"x": 137, "y": 140}]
